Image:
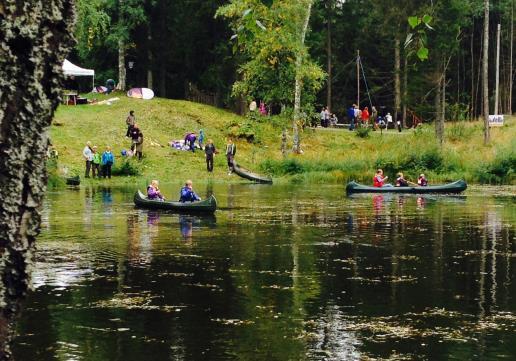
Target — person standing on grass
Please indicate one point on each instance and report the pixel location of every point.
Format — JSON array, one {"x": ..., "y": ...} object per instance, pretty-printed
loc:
[
  {"x": 88, "y": 157},
  {"x": 388, "y": 118},
  {"x": 230, "y": 154},
  {"x": 137, "y": 141},
  {"x": 201, "y": 138},
  {"x": 95, "y": 166},
  {"x": 107, "y": 162},
  {"x": 130, "y": 121},
  {"x": 365, "y": 116},
  {"x": 351, "y": 116},
  {"x": 210, "y": 151}
]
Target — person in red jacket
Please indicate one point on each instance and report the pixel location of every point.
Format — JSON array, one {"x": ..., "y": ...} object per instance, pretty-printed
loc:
[
  {"x": 365, "y": 115},
  {"x": 379, "y": 179}
]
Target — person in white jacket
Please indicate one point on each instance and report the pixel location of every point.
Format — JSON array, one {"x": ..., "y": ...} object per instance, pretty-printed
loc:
[{"x": 87, "y": 153}]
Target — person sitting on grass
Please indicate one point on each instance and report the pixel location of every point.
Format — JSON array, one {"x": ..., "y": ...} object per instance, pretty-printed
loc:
[
  {"x": 187, "y": 194},
  {"x": 153, "y": 191},
  {"x": 422, "y": 181},
  {"x": 379, "y": 179}
]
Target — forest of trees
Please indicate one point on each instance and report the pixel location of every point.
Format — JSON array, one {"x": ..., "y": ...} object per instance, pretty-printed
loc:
[{"x": 419, "y": 56}]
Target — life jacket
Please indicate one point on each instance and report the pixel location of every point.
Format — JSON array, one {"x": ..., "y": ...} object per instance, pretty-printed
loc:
[
  {"x": 377, "y": 182},
  {"x": 422, "y": 182}
]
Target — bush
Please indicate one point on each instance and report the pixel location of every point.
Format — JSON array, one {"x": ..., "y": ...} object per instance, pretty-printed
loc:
[
  {"x": 285, "y": 167},
  {"x": 501, "y": 169},
  {"x": 125, "y": 168},
  {"x": 362, "y": 132},
  {"x": 459, "y": 132}
]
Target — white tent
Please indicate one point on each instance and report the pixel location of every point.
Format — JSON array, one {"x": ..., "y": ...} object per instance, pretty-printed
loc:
[{"x": 72, "y": 69}]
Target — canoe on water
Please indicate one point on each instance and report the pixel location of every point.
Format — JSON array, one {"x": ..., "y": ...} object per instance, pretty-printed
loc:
[
  {"x": 455, "y": 187},
  {"x": 247, "y": 174},
  {"x": 206, "y": 206}
]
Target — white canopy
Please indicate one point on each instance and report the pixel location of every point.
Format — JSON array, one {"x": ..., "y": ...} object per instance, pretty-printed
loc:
[{"x": 72, "y": 69}]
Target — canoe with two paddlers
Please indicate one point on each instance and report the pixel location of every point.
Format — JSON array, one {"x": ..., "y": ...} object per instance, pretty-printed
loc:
[
  {"x": 455, "y": 187},
  {"x": 208, "y": 205}
]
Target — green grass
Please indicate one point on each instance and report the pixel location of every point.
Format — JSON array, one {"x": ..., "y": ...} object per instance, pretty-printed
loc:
[{"x": 330, "y": 155}]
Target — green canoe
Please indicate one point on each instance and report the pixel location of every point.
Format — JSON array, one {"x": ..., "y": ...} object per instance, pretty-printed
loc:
[
  {"x": 206, "y": 206},
  {"x": 455, "y": 187},
  {"x": 247, "y": 174}
]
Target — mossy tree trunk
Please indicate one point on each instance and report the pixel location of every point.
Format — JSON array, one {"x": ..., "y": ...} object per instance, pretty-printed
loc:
[{"x": 35, "y": 37}]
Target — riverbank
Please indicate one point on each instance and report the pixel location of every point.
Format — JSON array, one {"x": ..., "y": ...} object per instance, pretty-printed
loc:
[{"x": 330, "y": 155}]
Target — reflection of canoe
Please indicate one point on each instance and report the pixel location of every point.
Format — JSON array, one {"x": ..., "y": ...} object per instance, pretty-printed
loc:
[
  {"x": 455, "y": 187},
  {"x": 207, "y": 206},
  {"x": 247, "y": 174},
  {"x": 73, "y": 181}
]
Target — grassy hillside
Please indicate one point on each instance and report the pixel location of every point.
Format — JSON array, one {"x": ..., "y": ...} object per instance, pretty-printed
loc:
[{"x": 330, "y": 155}]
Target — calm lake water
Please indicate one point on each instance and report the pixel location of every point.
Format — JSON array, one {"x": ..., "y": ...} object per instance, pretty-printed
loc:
[{"x": 279, "y": 273}]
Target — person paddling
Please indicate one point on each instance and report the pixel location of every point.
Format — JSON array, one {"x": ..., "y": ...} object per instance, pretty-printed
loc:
[
  {"x": 187, "y": 193},
  {"x": 422, "y": 181},
  {"x": 379, "y": 179},
  {"x": 153, "y": 191},
  {"x": 402, "y": 182}
]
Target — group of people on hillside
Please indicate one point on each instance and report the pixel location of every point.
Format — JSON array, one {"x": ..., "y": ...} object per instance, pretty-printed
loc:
[
  {"x": 135, "y": 134},
  {"x": 364, "y": 117},
  {"x": 379, "y": 180},
  {"x": 100, "y": 165},
  {"x": 186, "y": 194}
]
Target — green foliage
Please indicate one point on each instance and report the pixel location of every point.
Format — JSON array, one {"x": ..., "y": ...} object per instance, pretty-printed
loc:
[
  {"x": 501, "y": 170},
  {"x": 126, "y": 168},
  {"x": 459, "y": 132},
  {"x": 268, "y": 40},
  {"x": 362, "y": 132}
]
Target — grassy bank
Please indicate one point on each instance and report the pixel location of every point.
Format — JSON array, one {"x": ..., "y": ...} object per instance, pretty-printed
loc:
[{"x": 330, "y": 155}]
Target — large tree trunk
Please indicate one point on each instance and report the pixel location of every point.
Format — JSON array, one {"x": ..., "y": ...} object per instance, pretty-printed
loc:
[
  {"x": 32, "y": 49},
  {"x": 150, "y": 59},
  {"x": 439, "y": 131},
  {"x": 405, "y": 91},
  {"x": 121, "y": 54},
  {"x": 121, "y": 64},
  {"x": 511, "y": 44},
  {"x": 485, "y": 85},
  {"x": 329, "y": 55},
  {"x": 397, "y": 68},
  {"x": 299, "y": 82}
]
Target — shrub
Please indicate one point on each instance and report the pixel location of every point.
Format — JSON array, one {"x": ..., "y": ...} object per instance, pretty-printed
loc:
[
  {"x": 125, "y": 168},
  {"x": 362, "y": 132},
  {"x": 501, "y": 169}
]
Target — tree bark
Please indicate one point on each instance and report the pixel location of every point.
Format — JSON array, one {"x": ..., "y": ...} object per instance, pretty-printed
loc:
[
  {"x": 405, "y": 92},
  {"x": 299, "y": 81},
  {"x": 329, "y": 55},
  {"x": 497, "y": 70},
  {"x": 485, "y": 68},
  {"x": 397, "y": 68},
  {"x": 150, "y": 59},
  {"x": 511, "y": 44},
  {"x": 121, "y": 54},
  {"x": 32, "y": 49},
  {"x": 438, "y": 110}
]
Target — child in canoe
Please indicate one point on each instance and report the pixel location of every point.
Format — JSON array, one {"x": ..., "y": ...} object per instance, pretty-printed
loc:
[
  {"x": 153, "y": 191},
  {"x": 187, "y": 193}
]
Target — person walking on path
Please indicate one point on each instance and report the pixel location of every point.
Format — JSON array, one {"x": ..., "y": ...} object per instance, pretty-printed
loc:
[
  {"x": 88, "y": 157},
  {"x": 95, "y": 163},
  {"x": 201, "y": 138},
  {"x": 210, "y": 151},
  {"x": 107, "y": 162},
  {"x": 230, "y": 154},
  {"x": 130, "y": 121}
]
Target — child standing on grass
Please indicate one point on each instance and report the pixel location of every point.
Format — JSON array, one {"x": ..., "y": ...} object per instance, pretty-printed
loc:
[
  {"x": 95, "y": 168},
  {"x": 107, "y": 162}
]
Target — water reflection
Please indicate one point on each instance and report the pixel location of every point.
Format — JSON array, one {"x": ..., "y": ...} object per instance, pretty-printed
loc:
[{"x": 281, "y": 273}]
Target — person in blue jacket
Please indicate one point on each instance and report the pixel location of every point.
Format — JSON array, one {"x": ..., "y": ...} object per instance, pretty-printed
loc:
[
  {"x": 107, "y": 162},
  {"x": 187, "y": 193},
  {"x": 351, "y": 116}
]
